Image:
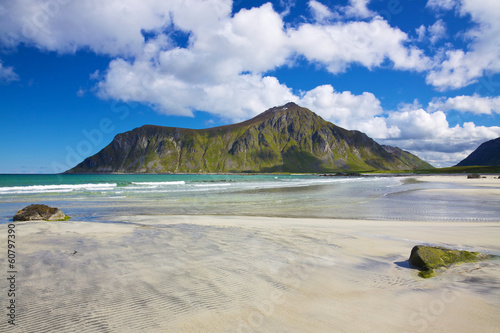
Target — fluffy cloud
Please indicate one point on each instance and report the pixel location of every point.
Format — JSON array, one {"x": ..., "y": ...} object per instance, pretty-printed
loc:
[
  {"x": 434, "y": 33},
  {"x": 117, "y": 28},
  {"x": 421, "y": 32},
  {"x": 253, "y": 40},
  {"x": 358, "y": 9},
  {"x": 7, "y": 74},
  {"x": 437, "y": 31},
  {"x": 459, "y": 68},
  {"x": 426, "y": 133},
  {"x": 221, "y": 70},
  {"x": 233, "y": 99},
  {"x": 419, "y": 124},
  {"x": 366, "y": 43},
  {"x": 354, "y": 9},
  {"x": 473, "y": 104},
  {"x": 321, "y": 12},
  {"x": 113, "y": 27},
  {"x": 360, "y": 112},
  {"x": 433, "y": 126},
  {"x": 429, "y": 135}
]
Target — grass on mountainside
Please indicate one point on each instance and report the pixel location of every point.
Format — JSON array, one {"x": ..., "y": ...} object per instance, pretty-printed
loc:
[{"x": 447, "y": 170}]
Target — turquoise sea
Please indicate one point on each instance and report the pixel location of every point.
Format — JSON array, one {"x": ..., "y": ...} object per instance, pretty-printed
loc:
[{"x": 98, "y": 197}]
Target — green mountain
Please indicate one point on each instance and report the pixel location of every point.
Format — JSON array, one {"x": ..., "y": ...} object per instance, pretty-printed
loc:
[
  {"x": 487, "y": 154},
  {"x": 282, "y": 139}
]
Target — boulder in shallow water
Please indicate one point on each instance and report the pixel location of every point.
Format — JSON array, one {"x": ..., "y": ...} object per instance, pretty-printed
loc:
[
  {"x": 428, "y": 258},
  {"x": 38, "y": 212}
]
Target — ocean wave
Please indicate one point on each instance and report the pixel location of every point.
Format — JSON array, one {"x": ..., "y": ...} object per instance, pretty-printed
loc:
[
  {"x": 57, "y": 188},
  {"x": 180, "y": 182}
]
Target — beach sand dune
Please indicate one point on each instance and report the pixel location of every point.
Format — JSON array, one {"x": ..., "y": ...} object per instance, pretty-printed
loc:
[{"x": 249, "y": 274}]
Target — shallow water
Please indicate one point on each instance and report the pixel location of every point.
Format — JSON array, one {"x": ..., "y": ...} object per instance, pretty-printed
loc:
[{"x": 98, "y": 197}]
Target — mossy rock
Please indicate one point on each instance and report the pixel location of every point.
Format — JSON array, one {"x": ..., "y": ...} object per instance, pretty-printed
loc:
[
  {"x": 428, "y": 258},
  {"x": 38, "y": 212}
]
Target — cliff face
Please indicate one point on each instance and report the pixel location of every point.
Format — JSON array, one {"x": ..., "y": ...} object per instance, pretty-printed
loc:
[
  {"x": 287, "y": 139},
  {"x": 487, "y": 154}
]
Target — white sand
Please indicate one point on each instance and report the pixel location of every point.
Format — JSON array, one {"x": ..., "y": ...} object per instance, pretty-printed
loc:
[
  {"x": 485, "y": 180},
  {"x": 488, "y": 186},
  {"x": 249, "y": 274}
]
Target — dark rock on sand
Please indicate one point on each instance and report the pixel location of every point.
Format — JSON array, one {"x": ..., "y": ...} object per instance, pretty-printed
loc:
[
  {"x": 342, "y": 174},
  {"x": 428, "y": 258},
  {"x": 474, "y": 176},
  {"x": 38, "y": 212}
]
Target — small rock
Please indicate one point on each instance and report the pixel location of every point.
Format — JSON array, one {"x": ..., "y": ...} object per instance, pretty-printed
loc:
[
  {"x": 474, "y": 176},
  {"x": 39, "y": 212}
]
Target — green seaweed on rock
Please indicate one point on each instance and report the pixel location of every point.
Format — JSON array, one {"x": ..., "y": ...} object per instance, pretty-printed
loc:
[{"x": 429, "y": 258}]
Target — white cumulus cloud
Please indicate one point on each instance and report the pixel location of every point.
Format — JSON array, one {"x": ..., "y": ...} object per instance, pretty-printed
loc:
[
  {"x": 429, "y": 135},
  {"x": 360, "y": 112},
  {"x": 113, "y": 27},
  {"x": 222, "y": 69},
  {"x": 235, "y": 98},
  {"x": 433, "y": 33},
  {"x": 358, "y": 9},
  {"x": 367, "y": 43},
  {"x": 473, "y": 104},
  {"x": 459, "y": 68},
  {"x": 437, "y": 31},
  {"x": 321, "y": 12},
  {"x": 425, "y": 133}
]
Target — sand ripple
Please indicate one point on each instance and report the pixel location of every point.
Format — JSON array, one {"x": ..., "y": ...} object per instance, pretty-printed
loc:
[{"x": 167, "y": 274}]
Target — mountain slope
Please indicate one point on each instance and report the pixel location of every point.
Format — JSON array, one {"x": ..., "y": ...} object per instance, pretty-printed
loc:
[
  {"x": 408, "y": 158},
  {"x": 487, "y": 154},
  {"x": 282, "y": 139}
]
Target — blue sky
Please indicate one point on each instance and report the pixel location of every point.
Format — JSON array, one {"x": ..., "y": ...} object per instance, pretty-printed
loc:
[{"x": 420, "y": 75}]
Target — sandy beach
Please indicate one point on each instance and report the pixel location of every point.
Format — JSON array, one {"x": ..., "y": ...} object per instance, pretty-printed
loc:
[{"x": 251, "y": 274}]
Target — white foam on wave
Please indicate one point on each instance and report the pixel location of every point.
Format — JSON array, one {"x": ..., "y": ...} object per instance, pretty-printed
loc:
[
  {"x": 180, "y": 182},
  {"x": 64, "y": 188},
  {"x": 212, "y": 185}
]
